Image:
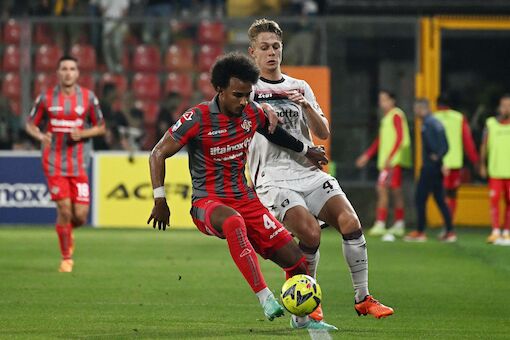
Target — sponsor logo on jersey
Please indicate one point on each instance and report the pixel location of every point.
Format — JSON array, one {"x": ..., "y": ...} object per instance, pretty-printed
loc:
[
  {"x": 187, "y": 115},
  {"x": 220, "y": 150},
  {"x": 287, "y": 113},
  {"x": 79, "y": 109},
  {"x": 25, "y": 195},
  {"x": 55, "y": 108},
  {"x": 66, "y": 123},
  {"x": 216, "y": 132},
  {"x": 246, "y": 125}
]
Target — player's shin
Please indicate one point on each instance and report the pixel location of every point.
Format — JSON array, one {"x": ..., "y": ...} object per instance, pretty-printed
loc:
[
  {"x": 300, "y": 267},
  {"x": 65, "y": 240},
  {"x": 312, "y": 256},
  {"x": 355, "y": 254},
  {"x": 242, "y": 252}
]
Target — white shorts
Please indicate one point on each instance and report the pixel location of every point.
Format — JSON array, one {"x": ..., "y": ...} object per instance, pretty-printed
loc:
[{"x": 311, "y": 192}]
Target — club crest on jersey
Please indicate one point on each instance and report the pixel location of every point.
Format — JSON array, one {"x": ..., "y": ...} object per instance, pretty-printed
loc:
[
  {"x": 55, "y": 190},
  {"x": 79, "y": 109},
  {"x": 246, "y": 125}
]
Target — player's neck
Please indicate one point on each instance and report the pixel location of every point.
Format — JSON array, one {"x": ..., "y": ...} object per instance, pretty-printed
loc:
[
  {"x": 68, "y": 90},
  {"x": 271, "y": 75}
]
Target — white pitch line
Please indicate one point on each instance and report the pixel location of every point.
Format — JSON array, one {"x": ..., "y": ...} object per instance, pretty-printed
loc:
[{"x": 319, "y": 334}]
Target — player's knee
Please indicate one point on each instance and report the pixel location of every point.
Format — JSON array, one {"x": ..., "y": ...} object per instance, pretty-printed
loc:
[
  {"x": 349, "y": 222},
  {"x": 79, "y": 220}
]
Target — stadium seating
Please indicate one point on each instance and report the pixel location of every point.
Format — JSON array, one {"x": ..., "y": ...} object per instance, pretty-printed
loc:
[
  {"x": 179, "y": 57},
  {"x": 11, "y": 86},
  {"x": 180, "y": 83},
  {"x": 46, "y": 58},
  {"x": 146, "y": 86},
  {"x": 204, "y": 85},
  {"x": 211, "y": 32},
  {"x": 207, "y": 56},
  {"x": 44, "y": 81},
  {"x": 88, "y": 81},
  {"x": 146, "y": 58},
  {"x": 150, "y": 110},
  {"x": 43, "y": 34},
  {"x": 12, "y": 32},
  {"x": 11, "y": 58},
  {"x": 86, "y": 55},
  {"x": 119, "y": 80},
  {"x": 16, "y": 106}
]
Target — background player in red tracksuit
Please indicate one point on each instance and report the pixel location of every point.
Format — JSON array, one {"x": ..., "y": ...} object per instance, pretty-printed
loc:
[
  {"x": 71, "y": 117},
  {"x": 218, "y": 134}
]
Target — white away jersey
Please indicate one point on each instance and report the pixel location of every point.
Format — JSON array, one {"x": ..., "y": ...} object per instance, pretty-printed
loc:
[{"x": 269, "y": 162}]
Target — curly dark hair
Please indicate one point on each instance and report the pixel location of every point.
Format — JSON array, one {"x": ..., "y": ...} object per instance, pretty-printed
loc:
[{"x": 233, "y": 65}]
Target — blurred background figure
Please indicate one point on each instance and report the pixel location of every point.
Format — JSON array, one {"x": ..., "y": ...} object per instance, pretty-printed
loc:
[
  {"x": 495, "y": 163},
  {"x": 393, "y": 148},
  {"x": 434, "y": 148},
  {"x": 114, "y": 31},
  {"x": 459, "y": 139}
]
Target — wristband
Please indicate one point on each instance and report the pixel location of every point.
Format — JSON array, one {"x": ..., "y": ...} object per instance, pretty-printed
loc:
[
  {"x": 305, "y": 150},
  {"x": 159, "y": 192}
]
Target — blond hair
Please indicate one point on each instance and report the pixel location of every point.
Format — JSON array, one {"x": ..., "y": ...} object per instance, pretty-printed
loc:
[{"x": 264, "y": 25}]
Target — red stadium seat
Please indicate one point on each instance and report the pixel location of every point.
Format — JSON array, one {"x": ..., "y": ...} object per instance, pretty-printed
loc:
[
  {"x": 180, "y": 83},
  {"x": 204, "y": 85},
  {"x": 119, "y": 80},
  {"x": 207, "y": 56},
  {"x": 12, "y": 32},
  {"x": 88, "y": 81},
  {"x": 179, "y": 58},
  {"x": 211, "y": 32},
  {"x": 11, "y": 59},
  {"x": 43, "y": 82},
  {"x": 146, "y": 58},
  {"x": 46, "y": 58},
  {"x": 146, "y": 86},
  {"x": 150, "y": 110},
  {"x": 43, "y": 34},
  {"x": 11, "y": 86},
  {"x": 15, "y": 107},
  {"x": 86, "y": 55}
]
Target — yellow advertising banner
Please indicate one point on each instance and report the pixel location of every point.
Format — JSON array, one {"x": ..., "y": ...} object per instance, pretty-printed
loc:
[{"x": 122, "y": 190}]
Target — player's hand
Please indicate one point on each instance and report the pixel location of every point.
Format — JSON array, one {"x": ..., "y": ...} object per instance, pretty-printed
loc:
[
  {"x": 362, "y": 161},
  {"x": 272, "y": 116},
  {"x": 483, "y": 170},
  {"x": 298, "y": 98},
  {"x": 445, "y": 171},
  {"x": 76, "y": 135},
  {"x": 160, "y": 215},
  {"x": 46, "y": 139},
  {"x": 317, "y": 156}
]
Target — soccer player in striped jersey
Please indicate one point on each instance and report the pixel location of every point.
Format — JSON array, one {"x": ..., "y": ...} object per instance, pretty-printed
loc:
[
  {"x": 71, "y": 117},
  {"x": 495, "y": 162},
  {"x": 218, "y": 134},
  {"x": 297, "y": 192}
]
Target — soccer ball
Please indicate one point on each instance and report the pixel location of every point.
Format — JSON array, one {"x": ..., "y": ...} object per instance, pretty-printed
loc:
[{"x": 301, "y": 295}]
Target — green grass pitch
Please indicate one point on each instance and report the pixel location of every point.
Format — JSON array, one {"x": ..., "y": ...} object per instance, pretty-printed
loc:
[{"x": 182, "y": 284}]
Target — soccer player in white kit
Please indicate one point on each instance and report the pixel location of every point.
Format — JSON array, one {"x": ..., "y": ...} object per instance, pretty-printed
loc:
[{"x": 295, "y": 191}]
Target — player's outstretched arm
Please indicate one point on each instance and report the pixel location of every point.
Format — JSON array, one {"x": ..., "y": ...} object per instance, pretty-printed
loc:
[
  {"x": 284, "y": 139},
  {"x": 166, "y": 147}
]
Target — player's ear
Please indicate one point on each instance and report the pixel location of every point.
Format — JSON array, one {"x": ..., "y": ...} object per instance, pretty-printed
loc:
[{"x": 251, "y": 50}]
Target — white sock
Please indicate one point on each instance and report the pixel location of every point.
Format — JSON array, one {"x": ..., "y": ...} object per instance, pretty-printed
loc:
[
  {"x": 355, "y": 254},
  {"x": 300, "y": 321},
  {"x": 313, "y": 261},
  {"x": 263, "y": 295}
]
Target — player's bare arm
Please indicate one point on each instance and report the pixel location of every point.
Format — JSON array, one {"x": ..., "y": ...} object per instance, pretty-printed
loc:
[
  {"x": 36, "y": 133},
  {"x": 166, "y": 147},
  {"x": 483, "y": 157},
  {"x": 94, "y": 131},
  {"x": 318, "y": 124}
]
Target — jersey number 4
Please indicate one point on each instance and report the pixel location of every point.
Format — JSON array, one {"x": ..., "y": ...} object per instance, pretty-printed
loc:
[{"x": 268, "y": 222}]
